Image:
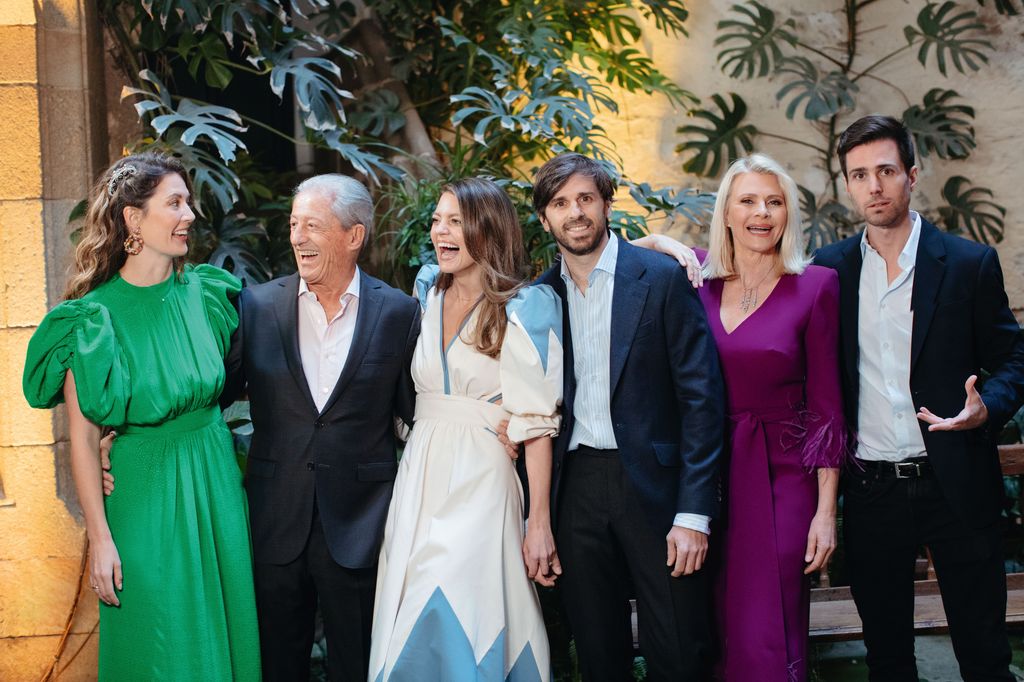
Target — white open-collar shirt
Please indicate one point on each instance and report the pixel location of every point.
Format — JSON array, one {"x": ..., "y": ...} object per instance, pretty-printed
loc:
[
  {"x": 590, "y": 319},
  {"x": 324, "y": 344},
  {"x": 887, "y": 426}
]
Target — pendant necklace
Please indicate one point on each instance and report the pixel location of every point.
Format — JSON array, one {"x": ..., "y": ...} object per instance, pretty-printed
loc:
[{"x": 749, "y": 300}]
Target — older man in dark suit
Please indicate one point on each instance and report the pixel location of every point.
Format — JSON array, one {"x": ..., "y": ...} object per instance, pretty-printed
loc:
[
  {"x": 325, "y": 356},
  {"x": 922, "y": 314}
]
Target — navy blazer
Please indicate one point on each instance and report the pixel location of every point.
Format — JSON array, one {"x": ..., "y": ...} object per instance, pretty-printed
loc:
[
  {"x": 667, "y": 396},
  {"x": 962, "y": 325},
  {"x": 343, "y": 455}
]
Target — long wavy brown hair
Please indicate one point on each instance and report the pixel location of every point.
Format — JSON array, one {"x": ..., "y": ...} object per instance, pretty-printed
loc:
[
  {"x": 100, "y": 252},
  {"x": 494, "y": 239}
]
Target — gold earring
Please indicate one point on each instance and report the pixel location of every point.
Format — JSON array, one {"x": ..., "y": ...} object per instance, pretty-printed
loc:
[{"x": 133, "y": 244}]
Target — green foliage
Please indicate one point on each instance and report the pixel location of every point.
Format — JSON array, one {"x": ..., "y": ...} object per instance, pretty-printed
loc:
[
  {"x": 499, "y": 86},
  {"x": 821, "y": 84},
  {"x": 968, "y": 211},
  {"x": 940, "y": 126},
  {"x": 943, "y": 27},
  {"x": 1007, "y": 7},
  {"x": 715, "y": 146},
  {"x": 823, "y": 95},
  {"x": 759, "y": 40}
]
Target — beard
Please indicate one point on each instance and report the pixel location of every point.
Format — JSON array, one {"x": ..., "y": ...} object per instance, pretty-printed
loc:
[{"x": 580, "y": 248}]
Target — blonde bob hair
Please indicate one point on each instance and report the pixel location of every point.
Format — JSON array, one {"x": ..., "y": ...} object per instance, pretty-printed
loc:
[{"x": 720, "y": 261}]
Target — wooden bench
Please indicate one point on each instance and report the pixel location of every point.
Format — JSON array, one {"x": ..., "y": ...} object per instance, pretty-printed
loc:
[{"x": 834, "y": 616}]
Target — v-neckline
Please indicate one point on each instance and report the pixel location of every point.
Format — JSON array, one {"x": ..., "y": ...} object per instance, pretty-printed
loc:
[
  {"x": 764, "y": 303},
  {"x": 445, "y": 347}
]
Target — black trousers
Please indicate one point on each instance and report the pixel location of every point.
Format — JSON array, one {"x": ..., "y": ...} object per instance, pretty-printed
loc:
[
  {"x": 885, "y": 521},
  {"x": 286, "y": 601},
  {"x": 610, "y": 552}
]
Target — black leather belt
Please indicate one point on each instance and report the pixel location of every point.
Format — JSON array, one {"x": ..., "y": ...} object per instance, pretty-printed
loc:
[
  {"x": 911, "y": 468},
  {"x": 587, "y": 450}
]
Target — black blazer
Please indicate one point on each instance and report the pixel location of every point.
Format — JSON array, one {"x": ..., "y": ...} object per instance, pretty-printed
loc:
[
  {"x": 344, "y": 455},
  {"x": 962, "y": 325},
  {"x": 667, "y": 396}
]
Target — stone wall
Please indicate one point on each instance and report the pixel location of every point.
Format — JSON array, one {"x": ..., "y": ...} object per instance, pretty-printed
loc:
[
  {"x": 645, "y": 130},
  {"x": 49, "y": 118}
]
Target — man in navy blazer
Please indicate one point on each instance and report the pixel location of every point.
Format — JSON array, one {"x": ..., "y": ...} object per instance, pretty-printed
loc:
[
  {"x": 636, "y": 466},
  {"x": 325, "y": 356},
  {"x": 922, "y": 315}
]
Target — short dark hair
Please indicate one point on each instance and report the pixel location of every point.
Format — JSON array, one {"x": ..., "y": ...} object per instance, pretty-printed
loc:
[
  {"x": 872, "y": 128},
  {"x": 553, "y": 175}
]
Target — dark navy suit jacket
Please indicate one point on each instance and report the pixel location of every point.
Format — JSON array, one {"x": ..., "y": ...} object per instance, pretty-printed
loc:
[
  {"x": 343, "y": 455},
  {"x": 667, "y": 396},
  {"x": 962, "y": 325}
]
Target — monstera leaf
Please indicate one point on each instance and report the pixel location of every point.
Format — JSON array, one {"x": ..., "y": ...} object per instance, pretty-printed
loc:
[
  {"x": 214, "y": 184},
  {"x": 363, "y": 160},
  {"x": 319, "y": 98},
  {"x": 378, "y": 113},
  {"x": 1010, "y": 8},
  {"x": 757, "y": 39},
  {"x": 194, "y": 121},
  {"x": 237, "y": 239},
  {"x": 821, "y": 95},
  {"x": 195, "y": 14},
  {"x": 944, "y": 27},
  {"x": 941, "y": 126},
  {"x": 823, "y": 223},
  {"x": 691, "y": 204},
  {"x": 970, "y": 211},
  {"x": 726, "y": 139}
]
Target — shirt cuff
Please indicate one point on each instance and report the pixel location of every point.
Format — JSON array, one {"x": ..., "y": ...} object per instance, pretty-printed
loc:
[{"x": 697, "y": 522}]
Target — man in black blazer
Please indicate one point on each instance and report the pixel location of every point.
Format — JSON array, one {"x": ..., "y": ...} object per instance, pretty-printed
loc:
[
  {"x": 324, "y": 355},
  {"x": 636, "y": 466},
  {"x": 922, "y": 314}
]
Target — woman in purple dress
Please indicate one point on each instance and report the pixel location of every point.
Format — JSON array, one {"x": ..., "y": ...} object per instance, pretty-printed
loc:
[{"x": 776, "y": 322}]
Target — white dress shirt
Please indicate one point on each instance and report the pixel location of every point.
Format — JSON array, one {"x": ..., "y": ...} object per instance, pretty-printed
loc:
[
  {"x": 888, "y": 429},
  {"x": 323, "y": 343},
  {"x": 590, "y": 319}
]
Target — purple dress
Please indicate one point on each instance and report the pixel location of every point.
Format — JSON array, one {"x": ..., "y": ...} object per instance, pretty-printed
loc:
[{"x": 781, "y": 371}]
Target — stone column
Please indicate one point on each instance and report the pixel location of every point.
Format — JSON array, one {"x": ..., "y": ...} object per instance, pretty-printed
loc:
[{"x": 52, "y": 143}]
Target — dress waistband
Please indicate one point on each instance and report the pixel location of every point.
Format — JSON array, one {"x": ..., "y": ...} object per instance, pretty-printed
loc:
[
  {"x": 457, "y": 409},
  {"x": 768, "y": 415},
  {"x": 183, "y": 423}
]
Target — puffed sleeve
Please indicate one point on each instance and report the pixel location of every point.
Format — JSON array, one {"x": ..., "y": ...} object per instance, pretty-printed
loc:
[
  {"x": 425, "y": 279},
  {"x": 531, "y": 363},
  {"x": 219, "y": 287},
  {"x": 826, "y": 442},
  {"x": 78, "y": 335}
]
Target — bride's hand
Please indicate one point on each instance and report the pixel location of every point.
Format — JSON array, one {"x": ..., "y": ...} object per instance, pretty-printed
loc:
[
  {"x": 540, "y": 555},
  {"x": 681, "y": 252}
]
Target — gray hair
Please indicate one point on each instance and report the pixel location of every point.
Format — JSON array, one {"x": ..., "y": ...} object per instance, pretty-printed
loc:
[
  {"x": 720, "y": 260},
  {"x": 351, "y": 202}
]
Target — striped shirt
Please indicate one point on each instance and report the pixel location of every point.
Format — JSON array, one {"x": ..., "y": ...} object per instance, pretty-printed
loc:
[{"x": 590, "y": 319}]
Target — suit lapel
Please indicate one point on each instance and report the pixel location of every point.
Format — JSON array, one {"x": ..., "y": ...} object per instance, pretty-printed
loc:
[
  {"x": 928, "y": 272},
  {"x": 371, "y": 300},
  {"x": 286, "y": 310},
  {"x": 849, "y": 307},
  {"x": 628, "y": 300}
]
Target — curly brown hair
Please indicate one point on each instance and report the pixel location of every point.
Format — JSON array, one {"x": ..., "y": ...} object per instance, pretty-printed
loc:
[{"x": 130, "y": 181}]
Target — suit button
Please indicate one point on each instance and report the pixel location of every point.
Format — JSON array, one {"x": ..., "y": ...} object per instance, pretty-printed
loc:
[
  {"x": 310, "y": 466},
  {"x": 319, "y": 424}
]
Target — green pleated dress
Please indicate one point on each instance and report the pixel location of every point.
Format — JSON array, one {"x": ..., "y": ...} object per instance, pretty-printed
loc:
[{"x": 149, "y": 362}]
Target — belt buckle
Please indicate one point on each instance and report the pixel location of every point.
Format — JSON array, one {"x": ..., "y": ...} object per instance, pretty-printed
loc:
[{"x": 912, "y": 469}]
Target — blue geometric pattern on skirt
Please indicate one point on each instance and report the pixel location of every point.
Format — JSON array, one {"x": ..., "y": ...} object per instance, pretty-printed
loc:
[{"x": 438, "y": 648}]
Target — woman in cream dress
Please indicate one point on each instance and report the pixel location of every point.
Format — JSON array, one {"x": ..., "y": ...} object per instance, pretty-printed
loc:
[{"x": 454, "y": 600}]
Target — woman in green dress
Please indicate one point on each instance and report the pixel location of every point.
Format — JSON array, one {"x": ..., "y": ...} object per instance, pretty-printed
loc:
[{"x": 138, "y": 345}]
